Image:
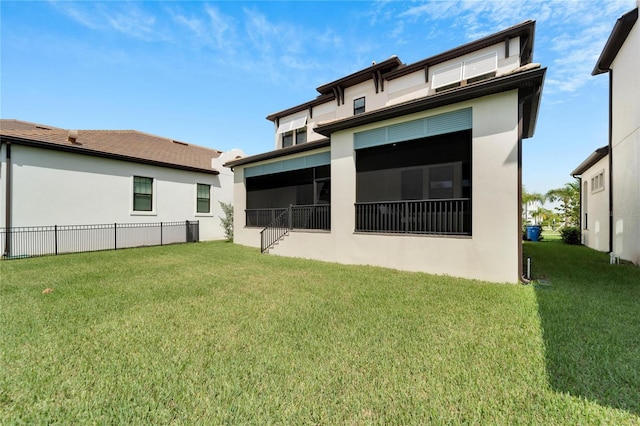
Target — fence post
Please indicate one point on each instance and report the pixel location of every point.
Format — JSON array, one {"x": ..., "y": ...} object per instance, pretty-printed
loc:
[
  {"x": 115, "y": 236},
  {"x": 160, "y": 233},
  {"x": 187, "y": 230},
  {"x": 55, "y": 237},
  {"x": 290, "y": 225}
]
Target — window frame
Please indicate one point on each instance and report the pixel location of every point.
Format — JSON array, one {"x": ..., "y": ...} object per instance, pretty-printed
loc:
[
  {"x": 152, "y": 211},
  {"x": 359, "y": 109},
  {"x": 597, "y": 182},
  {"x": 298, "y": 132},
  {"x": 287, "y": 136},
  {"x": 198, "y": 199}
]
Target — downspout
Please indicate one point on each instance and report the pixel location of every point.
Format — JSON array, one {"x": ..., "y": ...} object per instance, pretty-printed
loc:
[
  {"x": 582, "y": 213},
  {"x": 7, "y": 193},
  {"x": 610, "y": 161},
  {"x": 520, "y": 125}
]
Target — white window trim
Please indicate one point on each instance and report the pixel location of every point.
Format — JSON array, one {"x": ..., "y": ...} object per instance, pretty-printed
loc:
[
  {"x": 600, "y": 188},
  {"x": 195, "y": 200},
  {"x": 154, "y": 197}
]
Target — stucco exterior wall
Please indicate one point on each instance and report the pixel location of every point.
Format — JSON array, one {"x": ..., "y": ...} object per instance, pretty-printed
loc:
[
  {"x": 402, "y": 89},
  {"x": 56, "y": 188},
  {"x": 491, "y": 253},
  {"x": 596, "y": 207},
  {"x": 626, "y": 148}
]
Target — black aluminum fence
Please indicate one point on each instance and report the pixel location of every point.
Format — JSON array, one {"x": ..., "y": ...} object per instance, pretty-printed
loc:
[
  {"x": 58, "y": 239},
  {"x": 442, "y": 216}
]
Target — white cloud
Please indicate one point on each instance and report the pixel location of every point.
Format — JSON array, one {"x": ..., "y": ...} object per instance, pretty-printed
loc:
[
  {"x": 212, "y": 28},
  {"x": 126, "y": 18},
  {"x": 573, "y": 31}
]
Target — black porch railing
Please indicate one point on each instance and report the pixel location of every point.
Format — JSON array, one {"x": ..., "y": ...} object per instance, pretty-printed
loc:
[
  {"x": 310, "y": 216},
  {"x": 31, "y": 241},
  {"x": 443, "y": 216},
  {"x": 262, "y": 217}
]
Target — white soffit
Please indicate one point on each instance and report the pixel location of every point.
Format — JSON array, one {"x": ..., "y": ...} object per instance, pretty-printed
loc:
[{"x": 292, "y": 125}]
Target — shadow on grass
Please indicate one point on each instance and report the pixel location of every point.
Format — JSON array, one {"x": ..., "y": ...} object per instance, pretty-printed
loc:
[{"x": 590, "y": 317}]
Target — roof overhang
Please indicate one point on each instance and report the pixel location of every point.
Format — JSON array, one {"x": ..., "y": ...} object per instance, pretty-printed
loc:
[
  {"x": 596, "y": 156},
  {"x": 321, "y": 99},
  {"x": 363, "y": 75},
  {"x": 84, "y": 151},
  {"x": 619, "y": 34},
  {"x": 524, "y": 30},
  {"x": 528, "y": 83},
  {"x": 394, "y": 68},
  {"x": 295, "y": 149}
]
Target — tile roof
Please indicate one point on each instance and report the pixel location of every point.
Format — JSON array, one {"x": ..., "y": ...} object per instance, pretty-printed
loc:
[{"x": 128, "y": 145}]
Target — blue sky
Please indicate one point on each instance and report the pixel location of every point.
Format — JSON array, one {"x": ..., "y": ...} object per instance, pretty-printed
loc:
[{"x": 209, "y": 73}]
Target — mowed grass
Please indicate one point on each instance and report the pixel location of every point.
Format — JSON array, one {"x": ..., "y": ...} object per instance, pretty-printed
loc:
[{"x": 215, "y": 333}]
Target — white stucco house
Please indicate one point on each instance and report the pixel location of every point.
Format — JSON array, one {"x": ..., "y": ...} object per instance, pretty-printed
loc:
[
  {"x": 409, "y": 166},
  {"x": 595, "y": 176},
  {"x": 53, "y": 176},
  {"x": 610, "y": 177}
]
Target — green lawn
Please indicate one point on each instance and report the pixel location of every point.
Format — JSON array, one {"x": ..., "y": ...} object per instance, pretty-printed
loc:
[{"x": 215, "y": 333}]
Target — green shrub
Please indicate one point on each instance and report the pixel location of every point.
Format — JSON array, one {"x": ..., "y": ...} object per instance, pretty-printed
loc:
[
  {"x": 227, "y": 221},
  {"x": 571, "y": 235}
]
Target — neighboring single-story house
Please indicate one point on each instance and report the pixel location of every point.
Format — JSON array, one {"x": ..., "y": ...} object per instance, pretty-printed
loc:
[
  {"x": 408, "y": 166},
  {"x": 610, "y": 177},
  {"x": 54, "y": 176}
]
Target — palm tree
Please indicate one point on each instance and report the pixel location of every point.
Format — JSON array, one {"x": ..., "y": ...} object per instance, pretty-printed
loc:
[
  {"x": 543, "y": 216},
  {"x": 569, "y": 198},
  {"x": 530, "y": 198}
]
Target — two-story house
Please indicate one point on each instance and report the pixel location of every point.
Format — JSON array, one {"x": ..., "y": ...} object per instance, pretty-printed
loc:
[
  {"x": 409, "y": 166},
  {"x": 610, "y": 197}
]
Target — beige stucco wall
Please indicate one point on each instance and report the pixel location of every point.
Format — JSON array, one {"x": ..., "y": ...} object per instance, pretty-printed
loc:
[
  {"x": 490, "y": 254},
  {"x": 626, "y": 148},
  {"x": 405, "y": 88},
  {"x": 596, "y": 206}
]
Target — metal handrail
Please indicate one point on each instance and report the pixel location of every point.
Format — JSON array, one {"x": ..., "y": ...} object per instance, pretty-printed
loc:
[{"x": 275, "y": 231}]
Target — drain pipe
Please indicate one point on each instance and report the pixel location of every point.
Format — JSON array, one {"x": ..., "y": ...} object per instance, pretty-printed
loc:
[
  {"x": 523, "y": 279},
  {"x": 7, "y": 193}
]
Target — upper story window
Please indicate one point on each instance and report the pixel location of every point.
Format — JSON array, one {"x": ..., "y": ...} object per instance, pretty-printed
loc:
[
  {"x": 467, "y": 71},
  {"x": 142, "y": 194},
  {"x": 597, "y": 182},
  {"x": 293, "y": 131},
  {"x": 301, "y": 135},
  {"x": 287, "y": 139},
  {"x": 358, "y": 106}
]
